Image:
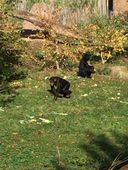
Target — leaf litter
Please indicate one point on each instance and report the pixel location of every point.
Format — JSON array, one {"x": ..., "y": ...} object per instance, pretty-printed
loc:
[
  {"x": 33, "y": 119},
  {"x": 39, "y": 120}
]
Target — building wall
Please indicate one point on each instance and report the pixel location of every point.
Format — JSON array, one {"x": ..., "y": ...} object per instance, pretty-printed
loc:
[{"x": 120, "y": 6}]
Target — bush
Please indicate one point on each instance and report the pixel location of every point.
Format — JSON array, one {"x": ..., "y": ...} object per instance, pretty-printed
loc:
[
  {"x": 10, "y": 43},
  {"x": 106, "y": 37}
]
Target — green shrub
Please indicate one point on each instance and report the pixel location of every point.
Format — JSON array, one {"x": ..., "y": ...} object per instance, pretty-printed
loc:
[
  {"x": 105, "y": 37},
  {"x": 38, "y": 54},
  {"x": 10, "y": 43}
]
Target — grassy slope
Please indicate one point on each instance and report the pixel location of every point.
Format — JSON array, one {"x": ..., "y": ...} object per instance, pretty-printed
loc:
[{"x": 89, "y": 137}]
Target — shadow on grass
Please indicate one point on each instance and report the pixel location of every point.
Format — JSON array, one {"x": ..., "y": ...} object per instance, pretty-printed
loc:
[
  {"x": 58, "y": 166},
  {"x": 7, "y": 95},
  {"x": 105, "y": 150},
  {"x": 60, "y": 95}
]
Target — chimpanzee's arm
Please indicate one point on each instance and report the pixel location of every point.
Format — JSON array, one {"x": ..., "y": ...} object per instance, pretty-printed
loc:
[{"x": 56, "y": 89}]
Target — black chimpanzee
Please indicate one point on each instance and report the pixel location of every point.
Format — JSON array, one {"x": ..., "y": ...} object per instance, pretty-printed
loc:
[
  {"x": 59, "y": 87},
  {"x": 85, "y": 70}
]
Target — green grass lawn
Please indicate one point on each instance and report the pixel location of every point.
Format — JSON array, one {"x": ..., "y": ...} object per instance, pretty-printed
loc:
[{"x": 85, "y": 132}]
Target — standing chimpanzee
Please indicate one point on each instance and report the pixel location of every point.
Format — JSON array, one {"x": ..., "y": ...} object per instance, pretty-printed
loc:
[
  {"x": 59, "y": 87},
  {"x": 85, "y": 70}
]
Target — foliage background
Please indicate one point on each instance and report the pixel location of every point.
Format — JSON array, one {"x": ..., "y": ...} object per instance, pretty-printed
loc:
[{"x": 11, "y": 45}]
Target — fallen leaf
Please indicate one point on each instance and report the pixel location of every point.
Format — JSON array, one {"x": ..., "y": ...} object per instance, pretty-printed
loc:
[
  {"x": 22, "y": 121},
  {"x": 1, "y": 109},
  {"x": 84, "y": 95},
  {"x": 45, "y": 120},
  {"x": 33, "y": 120}
]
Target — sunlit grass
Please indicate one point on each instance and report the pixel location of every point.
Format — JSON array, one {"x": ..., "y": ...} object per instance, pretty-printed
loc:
[{"x": 89, "y": 130}]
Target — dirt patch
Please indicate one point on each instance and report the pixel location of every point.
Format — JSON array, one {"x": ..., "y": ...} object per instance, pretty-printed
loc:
[{"x": 120, "y": 72}]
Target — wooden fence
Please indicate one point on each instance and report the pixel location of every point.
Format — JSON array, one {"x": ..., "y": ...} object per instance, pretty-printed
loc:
[{"x": 69, "y": 16}]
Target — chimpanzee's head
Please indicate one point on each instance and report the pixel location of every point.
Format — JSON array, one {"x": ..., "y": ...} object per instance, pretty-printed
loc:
[
  {"x": 86, "y": 56},
  {"x": 53, "y": 81}
]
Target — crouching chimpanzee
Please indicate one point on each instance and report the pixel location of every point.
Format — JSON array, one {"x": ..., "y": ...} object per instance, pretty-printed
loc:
[
  {"x": 85, "y": 70},
  {"x": 59, "y": 87}
]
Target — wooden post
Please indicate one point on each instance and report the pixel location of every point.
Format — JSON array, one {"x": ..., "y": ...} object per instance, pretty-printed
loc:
[
  {"x": 22, "y": 5},
  {"x": 107, "y": 10}
]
